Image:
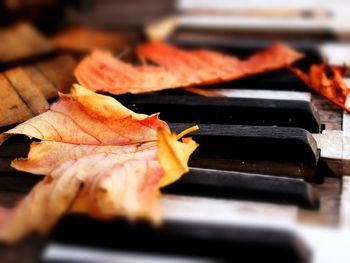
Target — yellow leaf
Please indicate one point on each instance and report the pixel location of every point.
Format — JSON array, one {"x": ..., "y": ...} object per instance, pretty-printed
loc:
[{"x": 173, "y": 156}]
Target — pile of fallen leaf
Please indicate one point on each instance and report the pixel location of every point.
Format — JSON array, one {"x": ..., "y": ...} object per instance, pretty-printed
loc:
[{"x": 100, "y": 158}]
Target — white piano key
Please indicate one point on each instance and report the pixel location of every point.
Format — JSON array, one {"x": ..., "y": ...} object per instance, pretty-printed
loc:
[
  {"x": 228, "y": 212},
  {"x": 346, "y": 122},
  {"x": 271, "y": 15},
  {"x": 327, "y": 244},
  {"x": 335, "y": 144},
  {"x": 336, "y": 53},
  {"x": 56, "y": 252},
  {"x": 244, "y": 4},
  {"x": 264, "y": 94},
  {"x": 346, "y": 116},
  {"x": 345, "y": 203},
  {"x": 258, "y": 23},
  {"x": 330, "y": 143}
]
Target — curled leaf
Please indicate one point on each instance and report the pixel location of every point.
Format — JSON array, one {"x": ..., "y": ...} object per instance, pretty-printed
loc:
[
  {"x": 175, "y": 68},
  {"x": 327, "y": 81}
]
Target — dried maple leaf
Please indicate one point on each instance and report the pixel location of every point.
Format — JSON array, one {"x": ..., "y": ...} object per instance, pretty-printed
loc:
[
  {"x": 175, "y": 68},
  {"x": 327, "y": 81},
  {"x": 98, "y": 157}
]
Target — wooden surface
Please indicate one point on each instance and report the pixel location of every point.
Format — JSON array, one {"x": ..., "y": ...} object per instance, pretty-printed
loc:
[
  {"x": 59, "y": 71},
  {"x": 34, "y": 73},
  {"x": 29, "y": 93},
  {"x": 22, "y": 41},
  {"x": 12, "y": 107},
  {"x": 330, "y": 114},
  {"x": 26, "y": 89},
  {"x": 40, "y": 81}
]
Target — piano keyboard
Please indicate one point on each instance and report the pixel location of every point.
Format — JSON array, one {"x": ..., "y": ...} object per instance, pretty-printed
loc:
[
  {"x": 259, "y": 185},
  {"x": 269, "y": 181}
]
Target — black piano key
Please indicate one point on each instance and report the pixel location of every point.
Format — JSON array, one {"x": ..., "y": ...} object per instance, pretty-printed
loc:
[
  {"x": 270, "y": 150},
  {"x": 213, "y": 241},
  {"x": 279, "y": 80},
  {"x": 224, "y": 110},
  {"x": 252, "y": 142},
  {"x": 246, "y": 186},
  {"x": 245, "y": 45}
]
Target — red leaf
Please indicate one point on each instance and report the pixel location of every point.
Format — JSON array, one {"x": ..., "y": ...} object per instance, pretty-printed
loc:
[
  {"x": 175, "y": 68},
  {"x": 327, "y": 81}
]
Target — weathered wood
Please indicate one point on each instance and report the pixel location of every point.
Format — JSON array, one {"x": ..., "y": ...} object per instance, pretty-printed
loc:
[
  {"x": 59, "y": 71},
  {"x": 41, "y": 82},
  {"x": 22, "y": 41},
  {"x": 33, "y": 39},
  {"x": 12, "y": 107},
  {"x": 330, "y": 114},
  {"x": 27, "y": 90}
]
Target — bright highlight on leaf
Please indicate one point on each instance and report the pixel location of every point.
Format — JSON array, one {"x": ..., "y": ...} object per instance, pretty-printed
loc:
[
  {"x": 98, "y": 157},
  {"x": 175, "y": 68}
]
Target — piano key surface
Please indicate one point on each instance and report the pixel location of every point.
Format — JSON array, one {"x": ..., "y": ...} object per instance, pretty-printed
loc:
[
  {"x": 236, "y": 111},
  {"x": 236, "y": 185}
]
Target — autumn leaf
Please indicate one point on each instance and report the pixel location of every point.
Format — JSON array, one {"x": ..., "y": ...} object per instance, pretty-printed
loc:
[
  {"x": 327, "y": 81},
  {"x": 98, "y": 157},
  {"x": 175, "y": 68}
]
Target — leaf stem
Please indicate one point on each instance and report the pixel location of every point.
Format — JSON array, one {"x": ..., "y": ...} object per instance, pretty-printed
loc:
[{"x": 187, "y": 131}]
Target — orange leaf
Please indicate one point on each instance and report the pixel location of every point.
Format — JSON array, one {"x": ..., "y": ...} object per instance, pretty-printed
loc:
[
  {"x": 175, "y": 68},
  {"x": 98, "y": 157},
  {"x": 327, "y": 81}
]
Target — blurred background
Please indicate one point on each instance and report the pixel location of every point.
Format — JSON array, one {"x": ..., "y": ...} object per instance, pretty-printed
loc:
[
  {"x": 312, "y": 16},
  {"x": 251, "y": 24}
]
